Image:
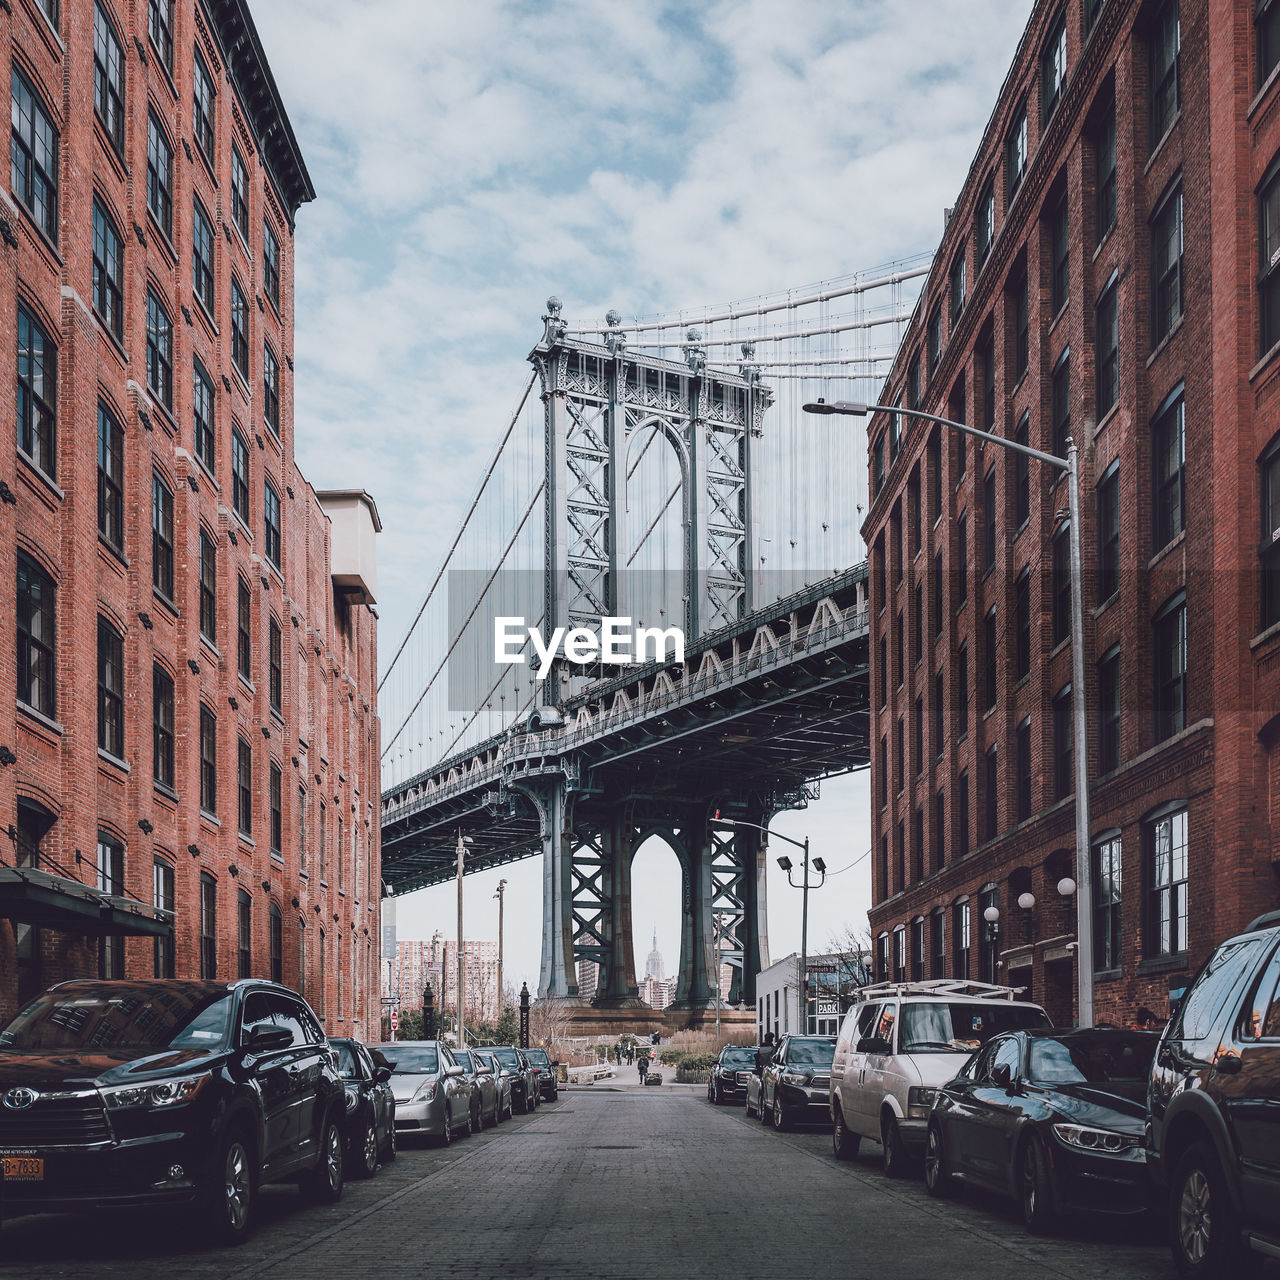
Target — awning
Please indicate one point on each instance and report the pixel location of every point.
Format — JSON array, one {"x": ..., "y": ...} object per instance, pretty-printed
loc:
[{"x": 37, "y": 897}]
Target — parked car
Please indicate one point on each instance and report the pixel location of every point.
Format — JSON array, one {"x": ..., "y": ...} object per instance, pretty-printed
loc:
[
  {"x": 431, "y": 1091},
  {"x": 484, "y": 1089},
  {"x": 524, "y": 1082},
  {"x": 794, "y": 1085},
  {"x": 730, "y": 1073},
  {"x": 548, "y": 1089},
  {"x": 167, "y": 1092},
  {"x": 370, "y": 1132},
  {"x": 897, "y": 1044},
  {"x": 1213, "y": 1127},
  {"x": 1054, "y": 1119},
  {"x": 502, "y": 1079}
]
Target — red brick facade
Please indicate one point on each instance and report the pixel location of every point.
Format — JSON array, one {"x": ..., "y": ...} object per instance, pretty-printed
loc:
[
  {"x": 1204, "y": 759},
  {"x": 311, "y": 877}
]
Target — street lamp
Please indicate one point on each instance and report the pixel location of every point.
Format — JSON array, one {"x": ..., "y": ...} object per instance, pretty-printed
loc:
[
  {"x": 502, "y": 884},
  {"x": 1071, "y": 465},
  {"x": 463, "y": 841}
]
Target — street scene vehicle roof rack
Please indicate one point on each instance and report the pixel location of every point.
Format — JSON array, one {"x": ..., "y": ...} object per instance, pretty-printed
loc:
[{"x": 939, "y": 987}]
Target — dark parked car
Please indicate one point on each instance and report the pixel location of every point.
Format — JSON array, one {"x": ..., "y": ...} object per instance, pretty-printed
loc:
[
  {"x": 502, "y": 1079},
  {"x": 1213, "y": 1128},
  {"x": 484, "y": 1089},
  {"x": 728, "y": 1081},
  {"x": 371, "y": 1108},
  {"x": 1051, "y": 1118},
  {"x": 524, "y": 1082},
  {"x": 167, "y": 1092},
  {"x": 548, "y": 1089},
  {"x": 794, "y": 1086}
]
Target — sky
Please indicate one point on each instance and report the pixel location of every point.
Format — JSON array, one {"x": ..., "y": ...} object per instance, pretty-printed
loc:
[{"x": 473, "y": 159}]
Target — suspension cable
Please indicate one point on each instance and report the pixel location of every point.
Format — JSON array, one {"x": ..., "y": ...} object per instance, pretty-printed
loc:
[{"x": 778, "y": 337}]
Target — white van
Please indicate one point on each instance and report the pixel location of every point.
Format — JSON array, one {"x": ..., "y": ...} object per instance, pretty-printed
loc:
[{"x": 898, "y": 1043}]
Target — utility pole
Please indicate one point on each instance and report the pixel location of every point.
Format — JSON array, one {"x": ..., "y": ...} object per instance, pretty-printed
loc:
[
  {"x": 463, "y": 841},
  {"x": 502, "y": 884}
]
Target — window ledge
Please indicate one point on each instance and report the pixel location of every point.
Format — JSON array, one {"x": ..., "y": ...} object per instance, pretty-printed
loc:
[
  {"x": 1173, "y": 963},
  {"x": 115, "y": 552},
  {"x": 203, "y": 312},
  {"x": 208, "y": 474},
  {"x": 164, "y": 412},
  {"x": 1176, "y": 541},
  {"x": 211, "y": 818},
  {"x": 163, "y": 599},
  {"x": 112, "y": 337},
  {"x": 278, "y": 856},
  {"x": 278, "y": 716},
  {"x": 1062, "y": 311},
  {"x": 246, "y": 682},
  {"x": 161, "y": 235},
  {"x": 1263, "y": 92},
  {"x": 167, "y": 791},
  {"x": 1060, "y": 647},
  {"x": 1164, "y": 137},
  {"x": 246, "y": 839},
  {"x": 1098, "y": 427},
  {"x": 109, "y": 757},
  {"x": 206, "y": 643},
  {"x": 40, "y": 718},
  {"x": 1107, "y": 975},
  {"x": 1100, "y": 609},
  {"x": 1262, "y": 637},
  {"x": 1160, "y": 346},
  {"x": 1267, "y": 358},
  {"x": 42, "y": 475},
  {"x": 1022, "y": 377},
  {"x": 1102, "y": 242},
  {"x": 45, "y": 239}
]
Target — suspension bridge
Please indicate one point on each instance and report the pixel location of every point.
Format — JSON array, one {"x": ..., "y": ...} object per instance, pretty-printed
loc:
[{"x": 662, "y": 474}]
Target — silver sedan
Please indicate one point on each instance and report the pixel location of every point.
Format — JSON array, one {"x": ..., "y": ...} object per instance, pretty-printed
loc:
[
  {"x": 484, "y": 1099},
  {"x": 431, "y": 1090}
]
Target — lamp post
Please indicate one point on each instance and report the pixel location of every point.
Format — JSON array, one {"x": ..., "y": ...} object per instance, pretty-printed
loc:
[
  {"x": 502, "y": 884},
  {"x": 463, "y": 841},
  {"x": 1080, "y": 748}
]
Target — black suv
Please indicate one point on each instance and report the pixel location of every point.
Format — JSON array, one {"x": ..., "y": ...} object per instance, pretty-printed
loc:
[
  {"x": 114, "y": 1094},
  {"x": 545, "y": 1069},
  {"x": 1213, "y": 1109}
]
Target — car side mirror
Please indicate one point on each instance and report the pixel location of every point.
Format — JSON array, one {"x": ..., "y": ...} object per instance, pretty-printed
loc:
[
  {"x": 381, "y": 1075},
  {"x": 455, "y": 1070},
  {"x": 264, "y": 1039},
  {"x": 1227, "y": 1063},
  {"x": 1002, "y": 1076},
  {"x": 872, "y": 1044}
]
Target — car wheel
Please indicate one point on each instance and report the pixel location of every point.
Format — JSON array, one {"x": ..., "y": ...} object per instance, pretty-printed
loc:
[
  {"x": 1035, "y": 1189},
  {"x": 1204, "y": 1233},
  {"x": 446, "y": 1133},
  {"x": 781, "y": 1120},
  {"x": 937, "y": 1173},
  {"x": 323, "y": 1184},
  {"x": 389, "y": 1147},
  {"x": 229, "y": 1197},
  {"x": 475, "y": 1120},
  {"x": 895, "y": 1155},
  {"x": 467, "y": 1128},
  {"x": 844, "y": 1144},
  {"x": 364, "y": 1163},
  {"x": 747, "y": 1107},
  {"x": 763, "y": 1110}
]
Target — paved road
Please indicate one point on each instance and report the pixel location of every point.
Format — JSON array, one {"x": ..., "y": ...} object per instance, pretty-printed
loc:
[{"x": 611, "y": 1183}]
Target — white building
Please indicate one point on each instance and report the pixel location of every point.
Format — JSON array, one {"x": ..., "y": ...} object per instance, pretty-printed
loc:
[{"x": 832, "y": 980}]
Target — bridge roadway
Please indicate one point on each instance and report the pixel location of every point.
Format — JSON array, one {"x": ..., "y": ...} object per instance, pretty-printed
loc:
[{"x": 650, "y": 1184}]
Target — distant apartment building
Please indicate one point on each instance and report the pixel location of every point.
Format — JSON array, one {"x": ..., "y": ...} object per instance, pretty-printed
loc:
[{"x": 435, "y": 961}]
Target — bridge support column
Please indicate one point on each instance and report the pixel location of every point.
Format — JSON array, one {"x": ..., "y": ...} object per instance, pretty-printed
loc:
[
  {"x": 692, "y": 843},
  {"x": 753, "y": 858},
  {"x": 559, "y": 977},
  {"x": 618, "y": 842}
]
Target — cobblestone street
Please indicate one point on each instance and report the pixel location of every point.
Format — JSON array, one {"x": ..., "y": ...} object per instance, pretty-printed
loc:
[{"x": 609, "y": 1182}]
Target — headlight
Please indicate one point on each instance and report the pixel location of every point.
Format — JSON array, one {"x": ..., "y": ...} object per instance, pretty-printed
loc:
[
  {"x": 794, "y": 1078},
  {"x": 425, "y": 1092},
  {"x": 920, "y": 1102},
  {"x": 1103, "y": 1141},
  {"x": 159, "y": 1093}
]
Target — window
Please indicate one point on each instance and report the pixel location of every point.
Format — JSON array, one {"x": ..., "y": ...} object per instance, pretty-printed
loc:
[
  {"x": 159, "y": 174},
  {"x": 276, "y": 943},
  {"x": 271, "y": 264},
  {"x": 1109, "y": 710},
  {"x": 33, "y": 156},
  {"x": 1166, "y": 850},
  {"x": 1171, "y": 668},
  {"x": 934, "y": 466},
  {"x": 883, "y": 673},
  {"x": 208, "y": 926},
  {"x": 239, "y": 329},
  {"x": 895, "y": 437},
  {"x": 208, "y": 760},
  {"x": 960, "y": 930},
  {"x": 1062, "y": 742},
  {"x": 1015, "y": 154},
  {"x": 1269, "y": 553},
  {"x": 984, "y": 222},
  {"x": 36, "y": 637},
  {"x": 1266, "y": 23},
  {"x": 987, "y": 366},
  {"x": 161, "y": 30},
  {"x": 1091, "y": 10},
  {"x": 884, "y": 770},
  {"x": 1109, "y": 532},
  {"x": 1053, "y": 67},
  {"x": 1022, "y": 475},
  {"x": 110, "y": 880},
  {"x": 935, "y": 584},
  {"x": 917, "y": 624},
  {"x": 202, "y": 115},
  {"x": 962, "y": 556},
  {"x": 110, "y": 478},
  {"x": 990, "y": 663},
  {"x": 1022, "y": 623},
  {"x": 239, "y": 476},
  {"x": 962, "y": 689},
  {"x": 1060, "y": 404},
  {"x": 917, "y": 950},
  {"x": 37, "y": 393},
  {"x": 244, "y": 787},
  {"x": 302, "y": 828},
  {"x": 202, "y": 256},
  {"x": 110, "y": 690},
  {"x": 989, "y": 519},
  {"x": 1168, "y": 461},
  {"x": 1023, "y": 782},
  {"x": 202, "y": 415},
  {"x": 884, "y": 756},
  {"x": 962, "y": 814},
  {"x": 1104, "y": 158},
  {"x": 1060, "y": 253},
  {"x": 934, "y": 338},
  {"x": 108, "y": 270},
  {"x": 108, "y": 77},
  {"x": 244, "y": 935},
  {"x": 161, "y": 536},
  {"x": 900, "y": 954},
  {"x": 1021, "y": 326},
  {"x": 1062, "y": 583},
  {"x": 159, "y": 351},
  {"x": 1166, "y": 264},
  {"x": 275, "y": 648},
  {"x": 162, "y": 899},
  {"x": 877, "y": 464},
  {"x": 277, "y": 813},
  {"x": 938, "y": 941},
  {"x": 991, "y": 798},
  {"x": 939, "y": 827},
  {"x": 162, "y": 709},
  {"x": 939, "y": 716},
  {"x": 1165, "y": 88},
  {"x": 239, "y": 192},
  {"x": 244, "y": 608},
  {"x": 1107, "y": 343},
  {"x": 338, "y": 849},
  {"x": 271, "y": 389},
  {"x": 208, "y": 588},
  {"x": 989, "y": 950},
  {"x": 899, "y": 754},
  {"x": 898, "y": 650},
  {"x": 271, "y": 522},
  {"x": 913, "y": 512},
  {"x": 957, "y": 287},
  {"x": 913, "y": 383},
  {"x": 917, "y": 737}
]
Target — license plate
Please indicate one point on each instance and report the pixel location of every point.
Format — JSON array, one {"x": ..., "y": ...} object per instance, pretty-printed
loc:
[{"x": 22, "y": 1168}]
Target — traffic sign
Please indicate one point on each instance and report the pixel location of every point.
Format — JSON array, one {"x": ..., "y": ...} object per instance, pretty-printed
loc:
[
  {"x": 395, "y": 1021},
  {"x": 822, "y": 968},
  {"x": 390, "y": 999}
]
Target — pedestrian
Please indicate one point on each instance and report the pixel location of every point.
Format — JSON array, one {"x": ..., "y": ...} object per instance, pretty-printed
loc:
[
  {"x": 643, "y": 1066},
  {"x": 764, "y": 1054},
  {"x": 617, "y": 1052},
  {"x": 631, "y": 1053}
]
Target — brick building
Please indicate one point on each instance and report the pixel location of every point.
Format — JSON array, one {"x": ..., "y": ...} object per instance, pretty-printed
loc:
[
  {"x": 1110, "y": 272},
  {"x": 188, "y": 723}
]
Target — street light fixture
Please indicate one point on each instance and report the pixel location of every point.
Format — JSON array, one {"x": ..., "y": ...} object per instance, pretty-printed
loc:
[{"x": 1080, "y": 747}]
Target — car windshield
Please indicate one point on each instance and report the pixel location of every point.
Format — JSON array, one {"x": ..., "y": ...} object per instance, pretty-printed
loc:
[
  {"x": 738, "y": 1057},
  {"x": 1100, "y": 1059},
  {"x": 940, "y": 1027},
  {"x": 123, "y": 1015},
  {"x": 538, "y": 1057},
  {"x": 813, "y": 1053},
  {"x": 413, "y": 1060},
  {"x": 507, "y": 1057},
  {"x": 463, "y": 1058}
]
